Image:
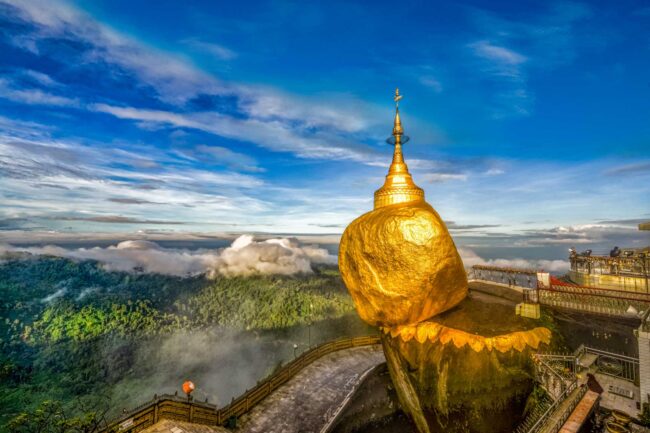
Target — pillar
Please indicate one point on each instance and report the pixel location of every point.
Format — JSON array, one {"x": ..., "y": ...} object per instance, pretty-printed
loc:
[{"x": 643, "y": 337}]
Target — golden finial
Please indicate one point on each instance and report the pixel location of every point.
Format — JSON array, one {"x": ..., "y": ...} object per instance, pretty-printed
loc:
[
  {"x": 397, "y": 97},
  {"x": 399, "y": 186}
]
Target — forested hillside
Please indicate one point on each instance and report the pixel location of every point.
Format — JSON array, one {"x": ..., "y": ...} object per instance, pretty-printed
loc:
[{"x": 70, "y": 330}]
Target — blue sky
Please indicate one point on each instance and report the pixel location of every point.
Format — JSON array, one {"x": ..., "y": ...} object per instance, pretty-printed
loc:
[{"x": 529, "y": 121}]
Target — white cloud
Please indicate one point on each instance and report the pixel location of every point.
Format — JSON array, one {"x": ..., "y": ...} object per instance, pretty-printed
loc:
[
  {"x": 311, "y": 127},
  {"x": 175, "y": 80},
  {"x": 273, "y": 256},
  {"x": 431, "y": 82},
  {"x": 497, "y": 54},
  {"x": 470, "y": 258},
  {"x": 41, "y": 78},
  {"x": 13, "y": 128},
  {"x": 212, "y": 48},
  {"x": 272, "y": 135},
  {"x": 505, "y": 67},
  {"x": 341, "y": 112},
  {"x": 34, "y": 96},
  {"x": 77, "y": 180},
  {"x": 637, "y": 168},
  {"x": 75, "y": 164},
  {"x": 549, "y": 36},
  {"x": 244, "y": 257},
  {"x": 443, "y": 177},
  {"x": 585, "y": 234},
  {"x": 230, "y": 158}
]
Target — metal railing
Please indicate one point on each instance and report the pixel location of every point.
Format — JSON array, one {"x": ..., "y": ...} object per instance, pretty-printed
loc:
[
  {"x": 591, "y": 303},
  {"x": 566, "y": 412},
  {"x": 635, "y": 265},
  {"x": 522, "y": 271},
  {"x": 593, "y": 300},
  {"x": 535, "y": 415},
  {"x": 186, "y": 409},
  {"x": 613, "y": 364},
  {"x": 563, "y": 367},
  {"x": 600, "y": 293},
  {"x": 562, "y": 364},
  {"x": 512, "y": 277},
  {"x": 541, "y": 422}
]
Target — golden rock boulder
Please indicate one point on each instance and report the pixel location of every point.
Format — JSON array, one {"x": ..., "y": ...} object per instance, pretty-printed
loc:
[{"x": 401, "y": 265}]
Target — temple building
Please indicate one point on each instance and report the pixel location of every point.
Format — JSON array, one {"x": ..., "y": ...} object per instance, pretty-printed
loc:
[{"x": 625, "y": 269}]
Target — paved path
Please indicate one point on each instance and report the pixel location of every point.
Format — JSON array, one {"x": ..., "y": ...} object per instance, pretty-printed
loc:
[{"x": 306, "y": 402}]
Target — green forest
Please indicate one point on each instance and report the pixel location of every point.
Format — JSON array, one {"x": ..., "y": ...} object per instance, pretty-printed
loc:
[{"x": 71, "y": 332}]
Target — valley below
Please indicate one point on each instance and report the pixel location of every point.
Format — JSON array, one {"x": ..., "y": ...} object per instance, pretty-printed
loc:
[{"x": 76, "y": 334}]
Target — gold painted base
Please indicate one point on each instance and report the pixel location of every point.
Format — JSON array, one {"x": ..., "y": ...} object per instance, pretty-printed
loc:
[
  {"x": 468, "y": 370},
  {"x": 611, "y": 282}
]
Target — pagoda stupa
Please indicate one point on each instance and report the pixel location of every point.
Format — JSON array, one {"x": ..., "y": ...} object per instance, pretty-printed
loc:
[{"x": 458, "y": 365}]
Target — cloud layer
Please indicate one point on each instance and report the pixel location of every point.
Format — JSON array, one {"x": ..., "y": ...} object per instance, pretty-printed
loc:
[
  {"x": 470, "y": 258},
  {"x": 244, "y": 257}
]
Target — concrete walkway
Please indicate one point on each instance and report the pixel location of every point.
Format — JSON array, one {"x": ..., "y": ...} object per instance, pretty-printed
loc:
[
  {"x": 612, "y": 399},
  {"x": 306, "y": 403}
]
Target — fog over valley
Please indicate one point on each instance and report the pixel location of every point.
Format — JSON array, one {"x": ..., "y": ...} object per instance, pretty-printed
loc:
[{"x": 244, "y": 256}]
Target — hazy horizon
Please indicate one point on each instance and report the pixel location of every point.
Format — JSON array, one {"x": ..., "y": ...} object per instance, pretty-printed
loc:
[{"x": 232, "y": 254}]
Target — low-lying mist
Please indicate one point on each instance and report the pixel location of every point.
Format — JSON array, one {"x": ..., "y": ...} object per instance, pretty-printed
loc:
[
  {"x": 245, "y": 256},
  {"x": 222, "y": 362}
]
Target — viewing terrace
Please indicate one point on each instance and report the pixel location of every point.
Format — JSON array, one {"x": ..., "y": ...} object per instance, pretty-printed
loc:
[{"x": 627, "y": 269}]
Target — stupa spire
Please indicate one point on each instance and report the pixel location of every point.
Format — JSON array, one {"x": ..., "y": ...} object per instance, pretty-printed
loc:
[
  {"x": 398, "y": 131},
  {"x": 399, "y": 186}
]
